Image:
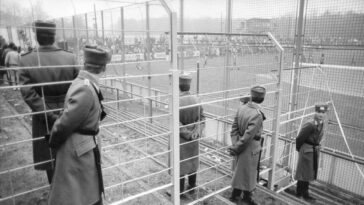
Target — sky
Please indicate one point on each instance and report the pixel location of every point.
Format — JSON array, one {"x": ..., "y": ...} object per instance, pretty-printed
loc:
[{"x": 197, "y": 8}]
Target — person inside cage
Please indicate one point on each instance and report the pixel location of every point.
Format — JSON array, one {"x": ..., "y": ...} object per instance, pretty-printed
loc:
[
  {"x": 246, "y": 137},
  {"x": 78, "y": 177},
  {"x": 48, "y": 97},
  {"x": 308, "y": 147},
  {"x": 191, "y": 127}
]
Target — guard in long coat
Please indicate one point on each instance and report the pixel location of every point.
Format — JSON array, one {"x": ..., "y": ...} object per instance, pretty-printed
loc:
[
  {"x": 189, "y": 134},
  {"x": 245, "y": 137},
  {"x": 308, "y": 146},
  {"x": 77, "y": 177},
  {"x": 53, "y": 95}
]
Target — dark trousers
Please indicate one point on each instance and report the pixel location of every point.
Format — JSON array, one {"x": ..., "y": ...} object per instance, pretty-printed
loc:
[
  {"x": 191, "y": 182},
  {"x": 302, "y": 188},
  {"x": 236, "y": 193},
  {"x": 98, "y": 203},
  {"x": 50, "y": 175}
]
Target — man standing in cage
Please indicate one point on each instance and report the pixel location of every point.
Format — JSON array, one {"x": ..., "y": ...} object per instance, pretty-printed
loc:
[
  {"x": 245, "y": 137},
  {"x": 308, "y": 146},
  {"x": 78, "y": 177},
  {"x": 192, "y": 124},
  {"x": 42, "y": 98}
]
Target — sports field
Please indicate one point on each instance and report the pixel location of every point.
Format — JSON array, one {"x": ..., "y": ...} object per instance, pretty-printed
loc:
[{"x": 344, "y": 82}]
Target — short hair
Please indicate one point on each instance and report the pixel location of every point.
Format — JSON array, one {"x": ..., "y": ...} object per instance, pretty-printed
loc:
[
  {"x": 96, "y": 69},
  {"x": 257, "y": 99},
  {"x": 184, "y": 87},
  {"x": 45, "y": 40}
]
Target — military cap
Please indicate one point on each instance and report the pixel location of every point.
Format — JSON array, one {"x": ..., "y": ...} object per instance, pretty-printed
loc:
[
  {"x": 96, "y": 56},
  {"x": 45, "y": 27},
  {"x": 185, "y": 79},
  {"x": 321, "y": 107},
  {"x": 257, "y": 92}
]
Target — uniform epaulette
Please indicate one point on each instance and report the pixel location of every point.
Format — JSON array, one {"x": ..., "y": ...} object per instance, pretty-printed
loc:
[
  {"x": 86, "y": 82},
  {"x": 67, "y": 51},
  {"x": 24, "y": 54}
]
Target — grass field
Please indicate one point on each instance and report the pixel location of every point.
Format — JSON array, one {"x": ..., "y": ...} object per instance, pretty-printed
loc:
[{"x": 345, "y": 83}]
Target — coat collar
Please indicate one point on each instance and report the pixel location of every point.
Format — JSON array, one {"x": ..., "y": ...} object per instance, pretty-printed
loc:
[
  {"x": 87, "y": 75},
  {"x": 183, "y": 93},
  {"x": 47, "y": 48},
  {"x": 253, "y": 105}
]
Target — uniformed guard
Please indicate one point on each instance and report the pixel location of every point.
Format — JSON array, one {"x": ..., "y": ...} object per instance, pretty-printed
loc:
[
  {"x": 78, "y": 177},
  {"x": 308, "y": 146},
  {"x": 45, "y": 55},
  {"x": 189, "y": 134},
  {"x": 245, "y": 137}
]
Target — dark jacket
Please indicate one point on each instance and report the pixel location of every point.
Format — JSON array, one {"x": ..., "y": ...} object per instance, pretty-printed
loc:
[
  {"x": 308, "y": 146},
  {"x": 53, "y": 95},
  {"x": 189, "y": 147}
]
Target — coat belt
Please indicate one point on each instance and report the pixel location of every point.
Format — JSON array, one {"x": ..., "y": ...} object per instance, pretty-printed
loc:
[{"x": 54, "y": 99}]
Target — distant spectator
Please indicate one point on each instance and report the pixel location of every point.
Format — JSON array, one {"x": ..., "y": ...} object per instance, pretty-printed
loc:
[
  {"x": 12, "y": 60},
  {"x": 322, "y": 59},
  {"x": 3, "y": 73}
]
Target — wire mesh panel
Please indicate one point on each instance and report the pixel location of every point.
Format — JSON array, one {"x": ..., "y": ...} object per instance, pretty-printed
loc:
[{"x": 223, "y": 68}]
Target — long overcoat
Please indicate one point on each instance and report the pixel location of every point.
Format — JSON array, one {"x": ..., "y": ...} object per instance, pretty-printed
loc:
[
  {"x": 309, "y": 137},
  {"x": 75, "y": 179},
  {"x": 189, "y": 148},
  {"x": 246, "y": 129},
  {"x": 53, "y": 95}
]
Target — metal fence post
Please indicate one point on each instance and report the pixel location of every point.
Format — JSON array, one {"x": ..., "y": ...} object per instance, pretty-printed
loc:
[
  {"x": 86, "y": 22},
  {"x": 294, "y": 84},
  {"x": 149, "y": 46},
  {"x": 102, "y": 27},
  {"x": 182, "y": 55},
  {"x": 123, "y": 48},
  {"x": 75, "y": 38},
  {"x": 226, "y": 79},
  {"x": 175, "y": 111},
  {"x": 276, "y": 122}
]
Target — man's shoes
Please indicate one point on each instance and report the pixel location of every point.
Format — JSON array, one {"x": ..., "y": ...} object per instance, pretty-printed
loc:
[
  {"x": 191, "y": 189},
  {"x": 235, "y": 199},
  {"x": 309, "y": 198}
]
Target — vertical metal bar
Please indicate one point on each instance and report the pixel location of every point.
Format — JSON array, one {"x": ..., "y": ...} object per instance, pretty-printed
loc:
[
  {"x": 102, "y": 26},
  {"x": 276, "y": 123},
  {"x": 174, "y": 123},
  {"x": 294, "y": 84},
  {"x": 123, "y": 48},
  {"x": 198, "y": 79},
  {"x": 118, "y": 98},
  {"x": 75, "y": 37},
  {"x": 149, "y": 46},
  {"x": 96, "y": 31},
  {"x": 182, "y": 55},
  {"x": 63, "y": 30},
  {"x": 86, "y": 22},
  {"x": 226, "y": 78},
  {"x": 331, "y": 177}
]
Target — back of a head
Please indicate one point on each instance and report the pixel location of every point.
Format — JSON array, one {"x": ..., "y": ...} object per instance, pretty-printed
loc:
[
  {"x": 95, "y": 59},
  {"x": 185, "y": 82},
  {"x": 45, "y": 32},
  {"x": 12, "y": 46},
  {"x": 257, "y": 94}
]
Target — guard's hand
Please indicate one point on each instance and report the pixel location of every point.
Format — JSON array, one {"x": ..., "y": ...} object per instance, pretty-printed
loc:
[
  {"x": 231, "y": 151},
  {"x": 194, "y": 136}
]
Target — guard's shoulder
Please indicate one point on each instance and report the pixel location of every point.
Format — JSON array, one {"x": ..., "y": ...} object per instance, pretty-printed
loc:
[
  {"x": 87, "y": 82},
  {"x": 67, "y": 51},
  {"x": 27, "y": 53}
]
